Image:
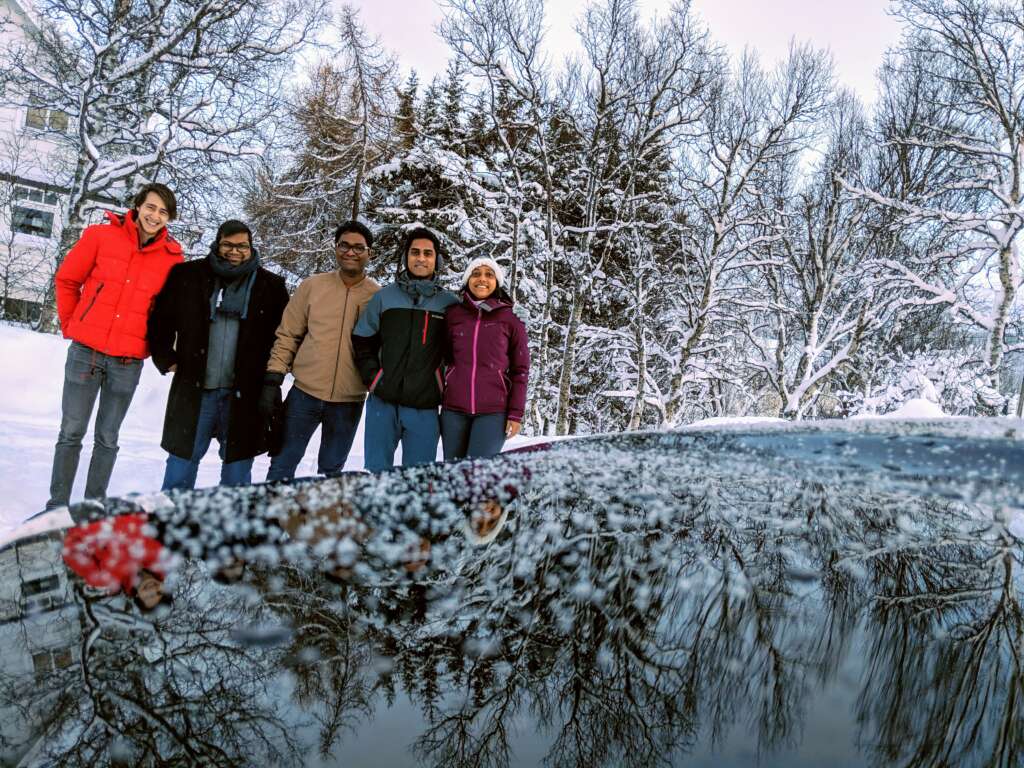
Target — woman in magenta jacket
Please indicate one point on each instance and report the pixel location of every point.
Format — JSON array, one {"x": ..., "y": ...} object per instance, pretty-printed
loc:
[{"x": 487, "y": 366}]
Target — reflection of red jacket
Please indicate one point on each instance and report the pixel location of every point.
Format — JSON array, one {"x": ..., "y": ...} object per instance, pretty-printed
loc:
[
  {"x": 108, "y": 554},
  {"x": 106, "y": 286}
]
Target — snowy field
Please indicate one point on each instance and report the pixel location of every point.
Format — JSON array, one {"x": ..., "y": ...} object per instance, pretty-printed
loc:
[{"x": 31, "y": 378}]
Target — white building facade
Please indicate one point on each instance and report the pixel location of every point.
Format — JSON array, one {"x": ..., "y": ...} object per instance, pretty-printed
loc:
[{"x": 35, "y": 150}]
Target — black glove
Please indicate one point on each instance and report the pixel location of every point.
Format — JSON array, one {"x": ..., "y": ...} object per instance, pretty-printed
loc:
[{"x": 270, "y": 396}]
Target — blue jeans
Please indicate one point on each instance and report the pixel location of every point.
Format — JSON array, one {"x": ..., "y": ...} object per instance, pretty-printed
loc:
[
  {"x": 88, "y": 373},
  {"x": 387, "y": 425},
  {"x": 214, "y": 412},
  {"x": 464, "y": 435},
  {"x": 303, "y": 413}
]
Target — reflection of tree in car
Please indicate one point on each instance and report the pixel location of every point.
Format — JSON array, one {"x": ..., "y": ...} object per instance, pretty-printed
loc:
[
  {"x": 634, "y": 617},
  {"x": 950, "y": 614},
  {"x": 174, "y": 689}
]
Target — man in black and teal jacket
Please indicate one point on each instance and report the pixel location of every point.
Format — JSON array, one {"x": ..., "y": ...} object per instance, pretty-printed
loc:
[{"x": 398, "y": 344}]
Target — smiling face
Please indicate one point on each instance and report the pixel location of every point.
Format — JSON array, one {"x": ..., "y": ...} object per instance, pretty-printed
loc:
[
  {"x": 352, "y": 253},
  {"x": 235, "y": 248},
  {"x": 151, "y": 216},
  {"x": 482, "y": 282},
  {"x": 421, "y": 258}
]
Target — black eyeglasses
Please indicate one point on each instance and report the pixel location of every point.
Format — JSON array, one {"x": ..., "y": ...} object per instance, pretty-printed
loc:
[
  {"x": 355, "y": 248},
  {"x": 240, "y": 247}
]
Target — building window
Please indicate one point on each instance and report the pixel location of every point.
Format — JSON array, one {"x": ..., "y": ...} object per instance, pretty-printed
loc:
[
  {"x": 38, "y": 586},
  {"x": 42, "y": 663},
  {"x": 35, "y": 195},
  {"x": 42, "y": 119},
  {"x": 31, "y": 221},
  {"x": 46, "y": 662}
]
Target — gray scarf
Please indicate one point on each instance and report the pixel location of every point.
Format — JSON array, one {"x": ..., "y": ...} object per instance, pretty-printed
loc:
[
  {"x": 418, "y": 289},
  {"x": 232, "y": 286}
]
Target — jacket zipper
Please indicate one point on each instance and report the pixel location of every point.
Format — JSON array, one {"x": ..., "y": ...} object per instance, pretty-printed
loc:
[
  {"x": 91, "y": 302},
  {"x": 426, "y": 319},
  {"x": 472, "y": 373},
  {"x": 341, "y": 338}
]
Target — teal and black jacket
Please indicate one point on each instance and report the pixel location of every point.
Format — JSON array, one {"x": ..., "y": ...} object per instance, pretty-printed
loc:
[{"x": 399, "y": 342}]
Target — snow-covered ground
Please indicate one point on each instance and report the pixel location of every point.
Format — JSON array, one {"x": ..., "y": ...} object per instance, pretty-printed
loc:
[{"x": 31, "y": 377}]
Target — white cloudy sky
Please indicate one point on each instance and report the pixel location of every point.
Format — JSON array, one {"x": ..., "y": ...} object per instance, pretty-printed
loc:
[{"x": 856, "y": 31}]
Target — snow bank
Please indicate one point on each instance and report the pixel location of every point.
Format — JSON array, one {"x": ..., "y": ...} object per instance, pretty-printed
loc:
[
  {"x": 915, "y": 408},
  {"x": 731, "y": 421}
]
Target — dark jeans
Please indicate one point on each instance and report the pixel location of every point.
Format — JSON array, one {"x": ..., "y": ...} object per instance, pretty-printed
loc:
[
  {"x": 388, "y": 424},
  {"x": 303, "y": 413},
  {"x": 89, "y": 373},
  {"x": 464, "y": 435},
  {"x": 214, "y": 412}
]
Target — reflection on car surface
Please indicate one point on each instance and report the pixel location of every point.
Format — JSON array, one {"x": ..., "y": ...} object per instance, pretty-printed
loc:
[{"x": 806, "y": 596}]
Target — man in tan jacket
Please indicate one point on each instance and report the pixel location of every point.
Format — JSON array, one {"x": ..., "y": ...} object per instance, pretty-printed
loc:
[{"x": 314, "y": 342}]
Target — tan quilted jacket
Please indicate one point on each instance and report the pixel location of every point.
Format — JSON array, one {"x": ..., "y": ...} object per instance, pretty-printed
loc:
[{"x": 314, "y": 340}]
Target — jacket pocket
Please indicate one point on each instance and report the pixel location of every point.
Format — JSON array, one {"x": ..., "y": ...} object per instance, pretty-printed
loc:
[{"x": 92, "y": 301}]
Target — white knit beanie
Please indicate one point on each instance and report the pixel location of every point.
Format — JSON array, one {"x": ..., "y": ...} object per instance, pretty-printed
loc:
[{"x": 484, "y": 261}]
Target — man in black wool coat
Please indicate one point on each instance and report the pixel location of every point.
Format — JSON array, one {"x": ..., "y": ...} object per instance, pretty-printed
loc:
[{"x": 213, "y": 326}]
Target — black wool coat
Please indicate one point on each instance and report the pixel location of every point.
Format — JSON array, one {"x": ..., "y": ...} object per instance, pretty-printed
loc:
[{"x": 179, "y": 333}]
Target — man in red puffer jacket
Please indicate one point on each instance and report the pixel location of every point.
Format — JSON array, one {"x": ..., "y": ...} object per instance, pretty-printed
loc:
[{"x": 105, "y": 288}]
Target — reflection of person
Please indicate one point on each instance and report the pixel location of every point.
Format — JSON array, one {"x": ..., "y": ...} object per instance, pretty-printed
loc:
[
  {"x": 118, "y": 555},
  {"x": 105, "y": 287},
  {"x": 485, "y": 521},
  {"x": 347, "y": 531},
  {"x": 488, "y": 366},
  {"x": 314, "y": 342},
  {"x": 213, "y": 326},
  {"x": 399, "y": 345}
]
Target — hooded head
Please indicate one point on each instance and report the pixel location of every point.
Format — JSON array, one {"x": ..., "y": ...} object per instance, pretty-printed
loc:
[{"x": 418, "y": 252}]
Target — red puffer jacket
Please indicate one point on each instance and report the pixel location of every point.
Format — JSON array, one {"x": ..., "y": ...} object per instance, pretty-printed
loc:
[
  {"x": 108, "y": 554},
  {"x": 107, "y": 284}
]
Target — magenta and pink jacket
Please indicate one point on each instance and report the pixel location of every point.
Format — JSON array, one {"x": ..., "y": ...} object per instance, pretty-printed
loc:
[{"x": 487, "y": 358}]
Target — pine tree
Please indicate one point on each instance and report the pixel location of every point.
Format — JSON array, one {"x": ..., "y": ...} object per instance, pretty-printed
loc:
[{"x": 406, "y": 128}]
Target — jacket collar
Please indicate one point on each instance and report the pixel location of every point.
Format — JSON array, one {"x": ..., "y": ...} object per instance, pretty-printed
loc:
[{"x": 495, "y": 301}]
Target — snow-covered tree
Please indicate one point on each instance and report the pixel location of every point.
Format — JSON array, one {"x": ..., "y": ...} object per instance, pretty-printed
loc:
[
  {"x": 819, "y": 297},
  {"x": 172, "y": 90},
  {"x": 500, "y": 42},
  {"x": 341, "y": 124},
  {"x": 633, "y": 93},
  {"x": 754, "y": 124},
  {"x": 952, "y": 117}
]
